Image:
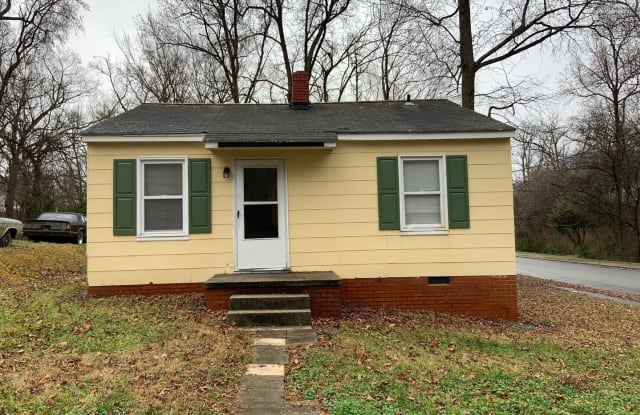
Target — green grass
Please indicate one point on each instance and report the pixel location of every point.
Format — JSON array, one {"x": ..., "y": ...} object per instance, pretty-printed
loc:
[
  {"x": 62, "y": 352},
  {"x": 573, "y": 357}
]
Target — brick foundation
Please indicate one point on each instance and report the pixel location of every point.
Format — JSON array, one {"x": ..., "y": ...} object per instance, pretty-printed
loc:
[
  {"x": 488, "y": 297},
  {"x": 325, "y": 300},
  {"x": 145, "y": 289}
]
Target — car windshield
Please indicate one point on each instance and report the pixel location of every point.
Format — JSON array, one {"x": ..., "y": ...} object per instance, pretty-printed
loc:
[{"x": 67, "y": 217}]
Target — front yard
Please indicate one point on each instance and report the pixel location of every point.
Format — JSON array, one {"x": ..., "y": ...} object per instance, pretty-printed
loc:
[
  {"x": 569, "y": 354},
  {"x": 64, "y": 353}
]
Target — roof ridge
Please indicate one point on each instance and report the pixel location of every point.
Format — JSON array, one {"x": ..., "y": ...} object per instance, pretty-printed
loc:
[{"x": 204, "y": 104}]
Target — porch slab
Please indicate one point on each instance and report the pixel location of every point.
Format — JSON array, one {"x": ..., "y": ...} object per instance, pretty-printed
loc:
[{"x": 273, "y": 279}]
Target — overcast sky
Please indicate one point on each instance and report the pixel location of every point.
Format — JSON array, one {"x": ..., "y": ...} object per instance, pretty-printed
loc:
[{"x": 103, "y": 19}]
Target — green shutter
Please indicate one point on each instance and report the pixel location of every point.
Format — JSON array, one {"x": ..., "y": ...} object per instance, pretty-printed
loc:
[
  {"x": 124, "y": 197},
  {"x": 458, "y": 192},
  {"x": 388, "y": 201},
  {"x": 199, "y": 196}
]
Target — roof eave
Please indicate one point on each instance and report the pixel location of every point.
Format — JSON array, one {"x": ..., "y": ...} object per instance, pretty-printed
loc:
[
  {"x": 144, "y": 138},
  {"x": 223, "y": 145},
  {"x": 412, "y": 136}
]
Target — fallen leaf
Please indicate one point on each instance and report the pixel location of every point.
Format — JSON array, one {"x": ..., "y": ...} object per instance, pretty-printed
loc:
[{"x": 44, "y": 378}]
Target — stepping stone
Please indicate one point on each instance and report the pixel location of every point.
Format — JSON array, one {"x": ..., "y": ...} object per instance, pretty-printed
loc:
[
  {"x": 270, "y": 355},
  {"x": 265, "y": 370},
  {"x": 301, "y": 336},
  {"x": 270, "y": 341}
]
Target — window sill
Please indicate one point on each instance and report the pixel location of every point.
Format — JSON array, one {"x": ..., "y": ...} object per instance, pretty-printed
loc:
[
  {"x": 163, "y": 237},
  {"x": 424, "y": 232}
]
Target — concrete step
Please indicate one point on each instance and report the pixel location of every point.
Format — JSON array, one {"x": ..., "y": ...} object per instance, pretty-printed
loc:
[
  {"x": 244, "y": 318},
  {"x": 269, "y": 302}
]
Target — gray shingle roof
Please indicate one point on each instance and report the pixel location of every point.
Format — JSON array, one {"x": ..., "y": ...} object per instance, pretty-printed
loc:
[{"x": 277, "y": 123}]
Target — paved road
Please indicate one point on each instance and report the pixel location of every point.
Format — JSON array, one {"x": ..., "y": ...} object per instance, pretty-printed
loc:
[{"x": 595, "y": 276}]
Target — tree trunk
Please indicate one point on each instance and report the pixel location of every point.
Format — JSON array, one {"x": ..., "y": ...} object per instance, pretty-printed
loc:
[
  {"x": 13, "y": 173},
  {"x": 278, "y": 15},
  {"x": 637, "y": 240},
  {"x": 467, "y": 64}
]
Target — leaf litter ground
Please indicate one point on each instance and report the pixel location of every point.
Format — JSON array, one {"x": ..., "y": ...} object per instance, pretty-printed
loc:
[
  {"x": 568, "y": 354},
  {"x": 64, "y": 353}
]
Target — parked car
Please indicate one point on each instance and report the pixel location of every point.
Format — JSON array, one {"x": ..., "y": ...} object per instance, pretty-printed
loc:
[
  {"x": 59, "y": 226},
  {"x": 10, "y": 229}
]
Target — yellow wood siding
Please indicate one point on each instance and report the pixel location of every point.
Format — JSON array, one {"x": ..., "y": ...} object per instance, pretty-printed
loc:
[{"x": 333, "y": 216}]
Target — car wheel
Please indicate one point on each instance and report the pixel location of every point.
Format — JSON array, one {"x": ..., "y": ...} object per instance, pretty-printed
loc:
[
  {"x": 6, "y": 240},
  {"x": 80, "y": 237}
]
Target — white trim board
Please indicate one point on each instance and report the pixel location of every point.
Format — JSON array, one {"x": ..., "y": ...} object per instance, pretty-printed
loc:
[
  {"x": 214, "y": 145},
  {"x": 425, "y": 136},
  {"x": 168, "y": 138}
]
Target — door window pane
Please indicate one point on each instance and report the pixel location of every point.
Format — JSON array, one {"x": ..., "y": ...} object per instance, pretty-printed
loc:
[
  {"x": 261, "y": 221},
  {"x": 163, "y": 179},
  {"x": 163, "y": 215},
  {"x": 261, "y": 184},
  {"x": 421, "y": 175},
  {"x": 422, "y": 209}
]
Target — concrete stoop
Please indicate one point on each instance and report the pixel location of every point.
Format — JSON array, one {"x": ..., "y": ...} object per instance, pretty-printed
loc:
[{"x": 269, "y": 310}]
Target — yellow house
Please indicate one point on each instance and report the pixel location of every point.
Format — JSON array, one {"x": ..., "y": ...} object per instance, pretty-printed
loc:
[{"x": 408, "y": 203}]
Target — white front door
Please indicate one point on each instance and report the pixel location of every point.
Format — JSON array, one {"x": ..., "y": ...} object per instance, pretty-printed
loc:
[{"x": 261, "y": 215}]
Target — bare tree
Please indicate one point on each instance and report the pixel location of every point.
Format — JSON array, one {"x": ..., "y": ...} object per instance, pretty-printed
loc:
[
  {"x": 30, "y": 25},
  {"x": 67, "y": 169},
  {"x": 336, "y": 54},
  {"x": 489, "y": 34},
  {"x": 121, "y": 88},
  {"x": 35, "y": 80},
  {"x": 606, "y": 74},
  {"x": 36, "y": 109},
  {"x": 307, "y": 24},
  {"x": 155, "y": 70},
  {"x": 542, "y": 144},
  {"x": 230, "y": 33}
]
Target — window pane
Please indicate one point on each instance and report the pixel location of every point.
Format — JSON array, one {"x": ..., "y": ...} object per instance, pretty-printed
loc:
[
  {"x": 260, "y": 221},
  {"x": 163, "y": 179},
  {"x": 422, "y": 210},
  {"x": 421, "y": 175},
  {"x": 261, "y": 184},
  {"x": 163, "y": 215}
]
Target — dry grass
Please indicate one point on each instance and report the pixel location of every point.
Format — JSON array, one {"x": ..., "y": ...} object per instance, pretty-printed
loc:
[
  {"x": 61, "y": 352},
  {"x": 64, "y": 353},
  {"x": 569, "y": 354}
]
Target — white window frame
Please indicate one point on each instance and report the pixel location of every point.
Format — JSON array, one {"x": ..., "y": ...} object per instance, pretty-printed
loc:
[
  {"x": 181, "y": 234},
  {"x": 439, "y": 228}
]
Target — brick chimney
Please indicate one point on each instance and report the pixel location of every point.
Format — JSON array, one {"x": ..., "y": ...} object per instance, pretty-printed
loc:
[{"x": 300, "y": 90}]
